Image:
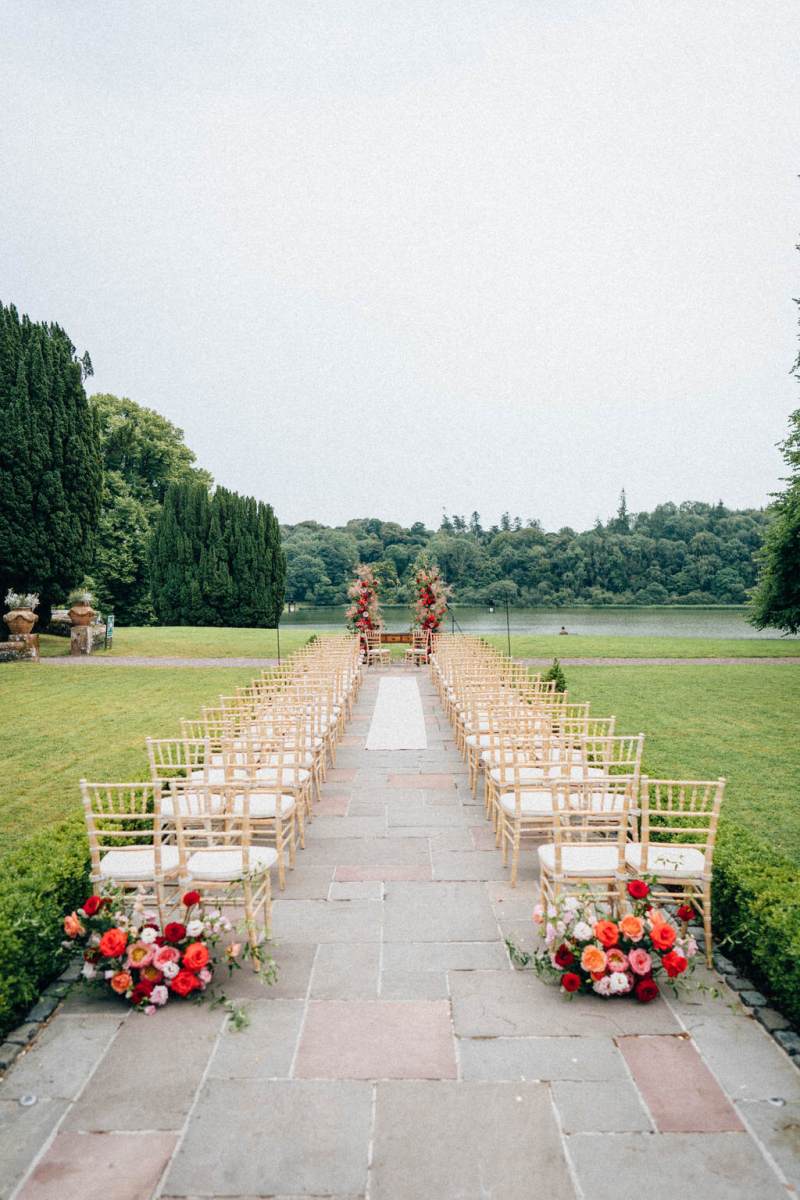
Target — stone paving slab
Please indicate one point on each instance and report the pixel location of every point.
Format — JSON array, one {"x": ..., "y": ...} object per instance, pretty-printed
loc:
[
  {"x": 377, "y": 1040},
  {"x": 716, "y": 1166},
  {"x": 262, "y": 1138},
  {"x": 94, "y": 1166},
  {"x": 445, "y": 1141},
  {"x": 678, "y": 1088}
]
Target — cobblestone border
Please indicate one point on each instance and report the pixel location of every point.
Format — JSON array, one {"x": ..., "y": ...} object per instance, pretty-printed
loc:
[{"x": 40, "y": 1014}]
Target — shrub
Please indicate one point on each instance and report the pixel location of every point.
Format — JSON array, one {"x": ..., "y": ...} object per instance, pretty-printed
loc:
[
  {"x": 756, "y": 900},
  {"x": 43, "y": 879},
  {"x": 555, "y": 672}
]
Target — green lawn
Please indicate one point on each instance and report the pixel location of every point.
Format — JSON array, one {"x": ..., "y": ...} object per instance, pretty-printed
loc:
[
  {"x": 574, "y": 646},
  {"x": 64, "y": 723},
  {"x": 180, "y": 641},
  {"x": 702, "y": 722}
]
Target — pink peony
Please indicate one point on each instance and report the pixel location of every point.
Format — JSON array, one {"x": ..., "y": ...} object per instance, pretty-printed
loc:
[
  {"x": 159, "y": 994},
  {"x": 139, "y": 955},
  {"x": 602, "y": 986},
  {"x": 164, "y": 955},
  {"x": 640, "y": 961},
  {"x": 617, "y": 961}
]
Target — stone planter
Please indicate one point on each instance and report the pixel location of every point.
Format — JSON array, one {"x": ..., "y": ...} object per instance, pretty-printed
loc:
[
  {"x": 82, "y": 614},
  {"x": 20, "y": 620}
]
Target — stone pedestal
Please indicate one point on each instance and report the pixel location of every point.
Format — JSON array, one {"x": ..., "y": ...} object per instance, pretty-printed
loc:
[
  {"x": 23, "y": 645},
  {"x": 81, "y": 639}
]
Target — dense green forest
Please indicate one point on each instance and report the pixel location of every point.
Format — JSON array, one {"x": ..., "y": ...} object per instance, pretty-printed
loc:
[{"x": 690, "y": 553}]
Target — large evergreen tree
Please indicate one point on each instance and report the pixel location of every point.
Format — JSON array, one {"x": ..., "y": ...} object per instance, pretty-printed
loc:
[
  {"x": 143, "y": 453},
  {"x": 776, "y": 600},
  {"x": 50, "y": 464},
  {"x": 216, "y": 560}
]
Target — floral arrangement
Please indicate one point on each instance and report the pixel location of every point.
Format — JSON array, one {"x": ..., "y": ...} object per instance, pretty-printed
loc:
[
  {"x": 131, "y": 956},
  {"x": 365, "y": 611},
  {"x": 22, "y": 600},
  {"x": 586, "y": 951},
  {"x": 433, "y": 593}
]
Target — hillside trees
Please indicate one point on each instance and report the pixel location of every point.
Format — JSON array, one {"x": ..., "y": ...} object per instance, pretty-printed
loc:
[{"x": 50, "y": 463}]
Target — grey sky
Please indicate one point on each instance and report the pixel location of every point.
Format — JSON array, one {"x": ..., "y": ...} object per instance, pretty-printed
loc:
[{"x": 377, "y": 258}]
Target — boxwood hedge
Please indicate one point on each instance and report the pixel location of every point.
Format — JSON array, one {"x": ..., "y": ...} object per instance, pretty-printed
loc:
[{"x": 41, "y": 880}]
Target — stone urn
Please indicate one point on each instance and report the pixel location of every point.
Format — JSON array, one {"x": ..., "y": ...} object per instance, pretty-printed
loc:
[
  {"x": 20, "y": 620},
  {"x": 82, "y": 614}
]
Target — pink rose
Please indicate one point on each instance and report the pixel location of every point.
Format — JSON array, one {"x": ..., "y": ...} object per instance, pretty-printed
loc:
[
  {"x": 164, "y": 955},
  {"x": 640, "y": 962}
]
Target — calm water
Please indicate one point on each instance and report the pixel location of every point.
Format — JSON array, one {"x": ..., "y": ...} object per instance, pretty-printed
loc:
[{"x": 599, "y": 622}]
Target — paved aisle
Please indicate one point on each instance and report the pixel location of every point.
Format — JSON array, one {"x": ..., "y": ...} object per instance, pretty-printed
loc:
[{"x": 400, "y": 1055}]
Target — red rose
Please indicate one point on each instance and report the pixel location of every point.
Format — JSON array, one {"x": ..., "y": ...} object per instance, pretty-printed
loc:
[
  {"x": 142, "y": 991},
  {"x": 174, "y": 931},
  {"x": 674, "y": 964},
  {"x": 113, "y": 943},
  {"x": 191, "y": 898},
  {"x": 570, "y": 982},
  {"x": 92, "y": 905},
  {"x": 663, "y": 936},
  {"x": 195, "y": 956},
  {"x": 638, "y": 889},
  {"x": 184, "y": 983},
  {"x": 563, "y": 956},
  {"x": 685, "y": 912},
  {"x": 646, "y": 990}
]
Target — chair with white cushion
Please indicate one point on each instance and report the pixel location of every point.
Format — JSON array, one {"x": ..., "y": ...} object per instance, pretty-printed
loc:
[
  {"x": 590, "y": 832},
  {"x": 417, "y": 653},
  {"x": 218, "y": 853},
  {"x": 675, "y": 852},
  {"x": 128, "y": 845},
  {"x": 375, "y": 652}
]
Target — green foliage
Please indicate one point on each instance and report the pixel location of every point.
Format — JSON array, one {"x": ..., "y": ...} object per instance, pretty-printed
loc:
[
  {"x": 776, "y": 600},
  {"x": 692, "y": 553},
  {"x": 50, "y": 463},
  {"x": 557, "y": 674},
  {"x": 41, "y": 881},
  {"x": 216, "y": 560},
  {"x": 143, "y": 453}
]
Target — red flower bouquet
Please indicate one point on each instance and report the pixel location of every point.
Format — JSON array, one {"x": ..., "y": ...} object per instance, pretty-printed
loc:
[
  {"x": 585, "y": 949},
  {"x": 130, "y": 955}
]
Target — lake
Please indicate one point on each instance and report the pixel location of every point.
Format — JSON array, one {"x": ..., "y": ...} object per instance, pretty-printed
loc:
[{"x": 598, "y": 622}]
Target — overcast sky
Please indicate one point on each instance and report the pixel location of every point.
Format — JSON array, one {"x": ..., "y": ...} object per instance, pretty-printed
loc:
[{"x": 381, "y": 257}]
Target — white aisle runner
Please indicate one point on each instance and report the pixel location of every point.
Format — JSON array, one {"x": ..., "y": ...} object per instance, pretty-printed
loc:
[{"x": 398, "y": 722}]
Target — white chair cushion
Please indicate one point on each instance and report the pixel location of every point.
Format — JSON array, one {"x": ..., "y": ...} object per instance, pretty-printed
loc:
[
  {"x": 262, "y": 805},
  {"x": 262, "y": 774},
  {"x": 507, "y": 774},
  {"x": 131, "y": 865},
  {"x": 531, "y": 804},
  {"x": 581, "y": 860},
  {"x": 226, "y": 865},
  {"x": 682, "y": 862}
]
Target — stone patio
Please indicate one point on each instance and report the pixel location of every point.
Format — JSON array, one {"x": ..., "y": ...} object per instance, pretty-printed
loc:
[{"x": 400, "y": 1055}]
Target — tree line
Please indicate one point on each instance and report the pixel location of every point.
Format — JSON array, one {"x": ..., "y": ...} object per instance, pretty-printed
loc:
[{"x": 690, "y": 553}]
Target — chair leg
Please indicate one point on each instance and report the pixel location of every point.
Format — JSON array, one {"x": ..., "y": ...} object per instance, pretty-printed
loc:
[
  {"x": 707, "y": 922},
  {"x": 515, "y": 855}
]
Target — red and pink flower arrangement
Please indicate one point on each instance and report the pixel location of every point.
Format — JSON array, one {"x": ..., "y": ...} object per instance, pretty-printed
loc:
[
  {"x": 364, "y": 613},
  {"x": 586, "y": 951},
  {"x": 129, "y": 954},
  {"x": 433, "y": 593}
]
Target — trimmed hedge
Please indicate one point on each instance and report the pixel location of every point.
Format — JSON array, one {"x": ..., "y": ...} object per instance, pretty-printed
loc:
[
  {"x": 756, "y": 902},
  {"x": 43, "y": 879}
]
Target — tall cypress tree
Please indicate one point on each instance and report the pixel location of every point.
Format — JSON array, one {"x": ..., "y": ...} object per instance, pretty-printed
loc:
[
  {"x": 216, "y": 560},
  {"x": 50, "y": 464}
]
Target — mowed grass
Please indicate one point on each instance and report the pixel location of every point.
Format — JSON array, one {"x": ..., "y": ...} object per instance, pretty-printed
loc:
[
  {"x": 703, "y": 722},
  {"x": 180, "y": 641},
  {"x": 576, "y": 646},
  {"x": 62, "y": 723}
]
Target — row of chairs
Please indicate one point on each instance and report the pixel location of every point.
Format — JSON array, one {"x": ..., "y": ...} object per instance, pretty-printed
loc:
[
  {"x": 557, "y": 774},
  {"x": 232, "y": 796}
]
